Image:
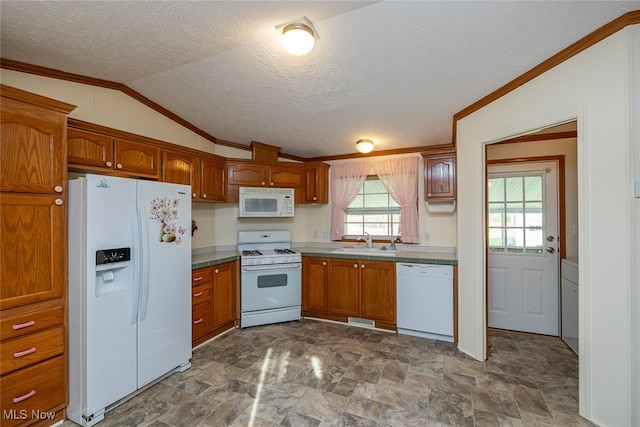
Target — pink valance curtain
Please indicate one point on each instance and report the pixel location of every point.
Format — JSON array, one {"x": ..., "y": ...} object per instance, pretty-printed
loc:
[
  {"x": 346, "y": 181},
  {"x": 400, "y": 178}
]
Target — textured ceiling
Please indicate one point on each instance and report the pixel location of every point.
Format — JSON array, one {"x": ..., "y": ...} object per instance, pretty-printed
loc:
[{"x": 393, "y": 71}]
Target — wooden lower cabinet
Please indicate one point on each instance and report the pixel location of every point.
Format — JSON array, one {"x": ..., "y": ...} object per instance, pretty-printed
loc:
[
  {"x": 213, "y": 296},
  {"x": 315, "y": 281},
  {"x": 344, "y": 284},
  {"x": 33, "y": 364},
  {"x": 378, "y": 291},
  {"x": 337, "y": 289},
  {"x": 33, "y": 393}
]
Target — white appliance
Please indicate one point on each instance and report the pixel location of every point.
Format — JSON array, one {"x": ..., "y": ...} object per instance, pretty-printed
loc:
[
  {"x": 270, "y": 278},
  {"x": 129, "y": 289},
  {"x": 425, "y": 300},
  {"x": 265, "y": 202}
]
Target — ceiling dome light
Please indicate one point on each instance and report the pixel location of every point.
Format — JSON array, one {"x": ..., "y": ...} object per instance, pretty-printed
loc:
[
  {"x": 298, "y": 36},
  {"x": 364, "y": 146},
  {"x": 297, "y": 39}
]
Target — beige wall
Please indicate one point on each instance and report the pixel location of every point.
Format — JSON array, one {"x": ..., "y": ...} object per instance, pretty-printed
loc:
[{"x": 592, "y": 87}]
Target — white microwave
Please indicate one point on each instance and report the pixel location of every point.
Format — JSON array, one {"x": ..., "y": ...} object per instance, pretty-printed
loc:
[{"x": 258, "y": 202}]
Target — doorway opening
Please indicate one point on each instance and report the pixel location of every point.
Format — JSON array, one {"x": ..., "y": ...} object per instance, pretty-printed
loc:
[{"x": 519, "y": 232}]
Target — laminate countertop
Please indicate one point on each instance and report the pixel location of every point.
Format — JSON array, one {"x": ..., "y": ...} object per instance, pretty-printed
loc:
[
  {"x": 443, "y": 258},
  {"x": 206, "y": 259}
]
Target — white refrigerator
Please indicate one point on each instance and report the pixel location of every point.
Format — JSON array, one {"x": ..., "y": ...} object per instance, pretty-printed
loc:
[{"x": 129, "y": 289}]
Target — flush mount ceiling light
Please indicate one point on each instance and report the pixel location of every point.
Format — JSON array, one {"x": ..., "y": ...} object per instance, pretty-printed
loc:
[
  {"x": 298, "y": 37},
  {"x": 364, "y": 146}
]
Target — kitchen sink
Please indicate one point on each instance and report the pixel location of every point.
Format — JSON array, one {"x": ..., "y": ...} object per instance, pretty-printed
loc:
[{"x": 366, "y": 251}]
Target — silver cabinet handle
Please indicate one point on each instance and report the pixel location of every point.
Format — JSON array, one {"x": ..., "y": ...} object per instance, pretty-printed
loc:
[
  {"x": 361, "y": 265},
  {"x": 204, "y": 196},
  {"x": 217, "y": 271},
  {"x": 324, "y": 262},
  {"x": 551, "y": 250},
  {"x": 119, "y": 165},
  {"x": 109, "y": 164},
  {"x": 59, "y": 202},
  {"x": 194, "y": 195},
  {"x": 58, "y": 189},
  {"x": 263, "y": 183},
  {"x": 355, "y": 265}
]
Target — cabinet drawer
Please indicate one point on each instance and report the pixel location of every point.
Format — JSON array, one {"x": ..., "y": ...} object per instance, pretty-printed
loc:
[
  {"x": 201, "y": 293},
  {"x": 30, "y": 349},
  {"x": 200, "y": 276},
  {"x": 26, "y": 323},
  {"x": 202, "y": 320},
  {"x": 39, "y": 387}
]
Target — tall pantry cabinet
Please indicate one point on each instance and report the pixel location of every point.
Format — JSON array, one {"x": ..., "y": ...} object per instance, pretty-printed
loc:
[{"x": 33, "y": 248}]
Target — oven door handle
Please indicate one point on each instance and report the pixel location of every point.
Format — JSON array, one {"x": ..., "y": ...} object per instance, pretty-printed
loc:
[{"x": 294, "y": 266}]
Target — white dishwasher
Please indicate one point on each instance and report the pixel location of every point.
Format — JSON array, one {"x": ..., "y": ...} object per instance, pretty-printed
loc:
[{"x": 425, "y": 300}]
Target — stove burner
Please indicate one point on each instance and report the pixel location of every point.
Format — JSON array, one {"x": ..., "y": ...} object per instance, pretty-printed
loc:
[
  {"x": 283, "y": 251},
  {"x": 251, "y": 253}
]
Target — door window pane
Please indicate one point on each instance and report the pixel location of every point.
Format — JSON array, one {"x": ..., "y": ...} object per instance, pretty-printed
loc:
[{"x": 516, "y": 213}]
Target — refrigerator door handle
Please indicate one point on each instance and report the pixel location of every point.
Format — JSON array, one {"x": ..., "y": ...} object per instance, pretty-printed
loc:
[
  {"x": 134, "y": 226},
  {"x": 144, "y": 262}
]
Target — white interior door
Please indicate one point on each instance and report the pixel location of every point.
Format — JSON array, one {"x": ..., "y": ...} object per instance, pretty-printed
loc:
[{"x": 523, "y": 247}]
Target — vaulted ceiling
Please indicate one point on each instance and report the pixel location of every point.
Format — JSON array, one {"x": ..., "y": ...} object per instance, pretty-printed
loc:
[{"x": 392, "y": 71}]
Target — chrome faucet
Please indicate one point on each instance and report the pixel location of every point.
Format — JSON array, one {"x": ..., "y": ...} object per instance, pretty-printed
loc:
[{"x": 367, "y": 238}]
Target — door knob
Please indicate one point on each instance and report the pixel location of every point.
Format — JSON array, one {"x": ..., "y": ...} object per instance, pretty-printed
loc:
[{"x": 551, "y": 250}]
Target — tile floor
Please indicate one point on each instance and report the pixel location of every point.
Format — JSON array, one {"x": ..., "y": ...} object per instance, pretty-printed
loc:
[{"x": 313, "y": 373}]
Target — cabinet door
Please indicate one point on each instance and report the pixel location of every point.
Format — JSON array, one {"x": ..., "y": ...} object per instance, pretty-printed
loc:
[
  {"x": 248, "y": 175},
  {"x": 316, "y": 188},
  {"x": 344, "y": 293},
  {"x": 213, "y": 180},
  {"x": 440, "y": 177},
  {"x": 89, "y": 149},
  {"x": 314, "y": 284},
  {"x": 223, "y": 294},
  {"x": 286, "y": 176},
  {"x": 136, "y": 158},
  {"x": 33, "y": 247},
  {"x": 32, "y": 149},
  {"x": 181, "y": 168},
  {"x": 378, "y": 290}
]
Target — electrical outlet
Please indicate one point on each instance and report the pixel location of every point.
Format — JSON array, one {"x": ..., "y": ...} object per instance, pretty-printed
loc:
[{"x": 427, "y": 236}]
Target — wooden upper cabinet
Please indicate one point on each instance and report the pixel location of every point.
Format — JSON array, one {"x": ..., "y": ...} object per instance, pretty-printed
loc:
[
  {"x": 33, "y": 149},
  {"x": 94, "y": 152},
  {"x": 213, "y": 182},
  {"x": 316, "y": 185},
  {"x": 440, "y": 177},
  {"x": 263, "y": 175},
  {"x": 286, "y": 176},
  {"x": 89, "y": 149},
  {"x": 180, "y": 168},
  {"x": 33, "y": 248},
  {"x": 137, "y": 158},
  {"x": 248, "y": 175}
]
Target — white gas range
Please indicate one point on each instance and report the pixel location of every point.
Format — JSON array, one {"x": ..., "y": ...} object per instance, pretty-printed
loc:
[{"x": 270, "y": 278}]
